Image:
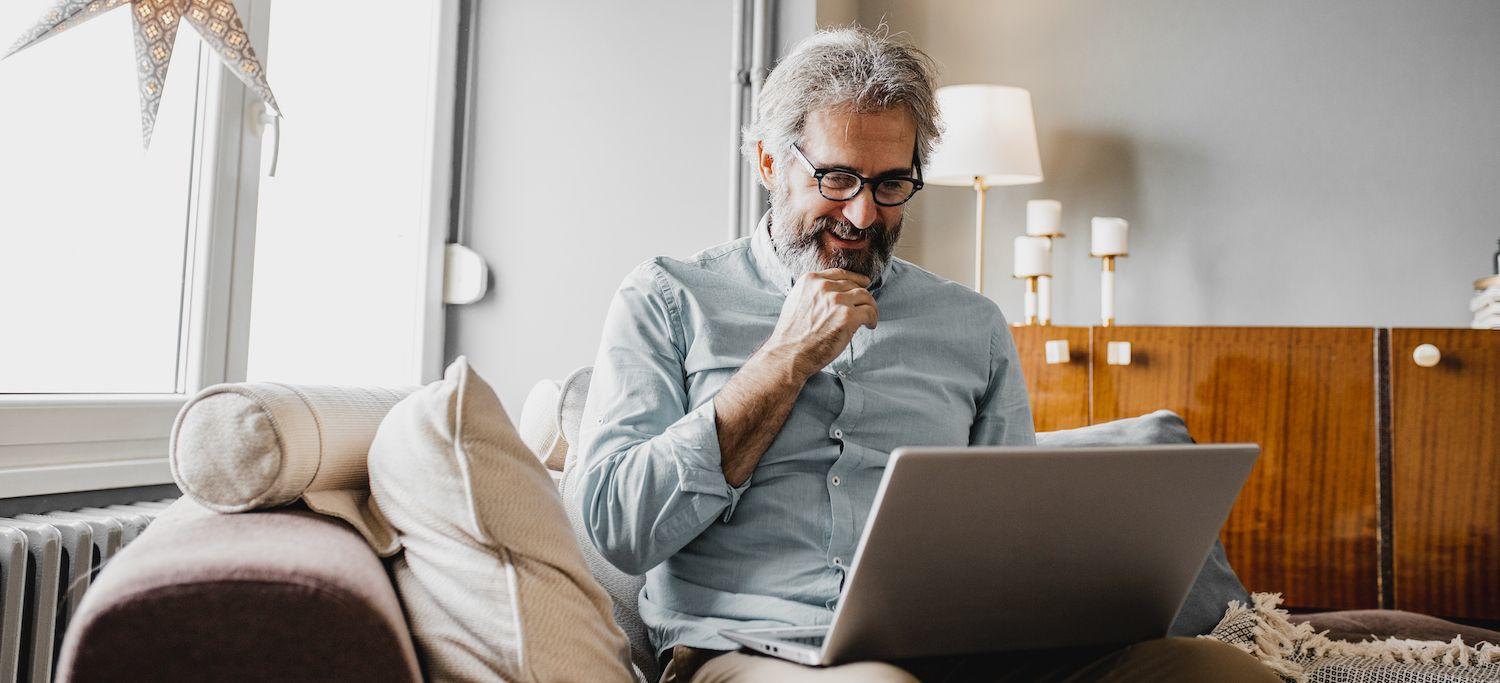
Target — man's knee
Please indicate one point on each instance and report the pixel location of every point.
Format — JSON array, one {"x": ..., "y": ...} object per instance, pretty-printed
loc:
[
  {"x": 1189, "y": 659},
  {"x": 737, "y": 667}
]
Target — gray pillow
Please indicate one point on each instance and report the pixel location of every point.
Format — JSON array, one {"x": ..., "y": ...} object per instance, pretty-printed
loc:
[{"x": 1216, "y": 584}]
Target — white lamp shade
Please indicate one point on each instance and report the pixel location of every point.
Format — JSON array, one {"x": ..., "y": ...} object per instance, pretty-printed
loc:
[{"x": 991, "y": 135}]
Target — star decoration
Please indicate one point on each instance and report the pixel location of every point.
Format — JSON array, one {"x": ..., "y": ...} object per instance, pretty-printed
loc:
[{"x": 156, "y": 22}]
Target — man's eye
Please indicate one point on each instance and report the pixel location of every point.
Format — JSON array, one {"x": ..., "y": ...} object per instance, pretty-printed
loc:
[{"x": 839, "y": 181}]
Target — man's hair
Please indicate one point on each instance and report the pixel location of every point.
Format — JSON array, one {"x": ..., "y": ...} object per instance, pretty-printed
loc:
[{"x": 854, "y": 69}]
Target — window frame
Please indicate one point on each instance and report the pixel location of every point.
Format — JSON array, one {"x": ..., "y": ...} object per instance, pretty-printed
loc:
[{"x": 55, "y": 443}]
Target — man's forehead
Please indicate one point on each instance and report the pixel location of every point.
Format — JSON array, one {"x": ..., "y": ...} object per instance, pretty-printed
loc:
[{"x": 883, "y": 137}]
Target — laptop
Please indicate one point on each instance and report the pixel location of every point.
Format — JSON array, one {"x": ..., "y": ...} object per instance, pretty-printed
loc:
[{"x": 990, "y": 549}]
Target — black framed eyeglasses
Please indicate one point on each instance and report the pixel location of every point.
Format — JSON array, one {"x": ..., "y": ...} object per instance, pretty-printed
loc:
[{"x": 841, "y": 185}]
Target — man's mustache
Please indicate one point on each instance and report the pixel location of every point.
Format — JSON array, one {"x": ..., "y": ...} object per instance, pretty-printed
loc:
[{"x": 846, "y": 230}]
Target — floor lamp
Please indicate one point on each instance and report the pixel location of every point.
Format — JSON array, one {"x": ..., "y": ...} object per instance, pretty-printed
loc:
[{"x": 990, "y": 141}]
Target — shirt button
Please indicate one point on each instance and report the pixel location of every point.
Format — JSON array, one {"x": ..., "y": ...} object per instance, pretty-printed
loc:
[
  {"x": 837, "y": 433},
  {"x": 836, "y": 480},
  {"x": 838, "y": 561}
]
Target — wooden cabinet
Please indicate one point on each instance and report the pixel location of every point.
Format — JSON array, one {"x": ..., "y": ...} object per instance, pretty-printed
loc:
[
  {"x": 1059, "y": 391},
  {"x": 1306, "y": 523},
  {"x": 1378, "y": 483},
  {"x": 1445, "y": 473}
]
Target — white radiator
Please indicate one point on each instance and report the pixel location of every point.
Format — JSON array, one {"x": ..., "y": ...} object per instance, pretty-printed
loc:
[{"x": 47, "y": 563}]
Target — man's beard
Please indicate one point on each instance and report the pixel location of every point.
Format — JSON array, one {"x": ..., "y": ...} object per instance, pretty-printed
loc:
[{"x": 798, "y": 241}]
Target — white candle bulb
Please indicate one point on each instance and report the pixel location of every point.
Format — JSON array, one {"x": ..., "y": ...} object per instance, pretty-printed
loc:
[
  {"x": 1033, "y": 256},
  {"x": 1043, "y": 217},
  {"x": 1110, "y": 236}
]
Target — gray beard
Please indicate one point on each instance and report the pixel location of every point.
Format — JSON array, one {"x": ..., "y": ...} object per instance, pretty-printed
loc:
[{"x": 798, "y": 243}]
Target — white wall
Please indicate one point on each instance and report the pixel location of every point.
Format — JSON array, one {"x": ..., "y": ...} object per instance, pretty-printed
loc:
[
  {"x": 1281, "y": 162},
  {"x": 600, "y": 140}
]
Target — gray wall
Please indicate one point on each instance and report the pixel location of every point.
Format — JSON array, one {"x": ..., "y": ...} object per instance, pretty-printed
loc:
[
  {"x": 600, "y": 140},
  {"x": 1281, "y": 162}
]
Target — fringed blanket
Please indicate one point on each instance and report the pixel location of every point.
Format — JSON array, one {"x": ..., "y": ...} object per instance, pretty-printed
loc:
[{"x": 1297, "y": 653}]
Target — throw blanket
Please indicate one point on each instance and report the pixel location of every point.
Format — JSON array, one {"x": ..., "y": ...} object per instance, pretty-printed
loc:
[{"x": 1297, "y": 653}]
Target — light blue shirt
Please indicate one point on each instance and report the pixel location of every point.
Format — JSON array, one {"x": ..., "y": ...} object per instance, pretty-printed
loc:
[{"x": 940, "y": 369}]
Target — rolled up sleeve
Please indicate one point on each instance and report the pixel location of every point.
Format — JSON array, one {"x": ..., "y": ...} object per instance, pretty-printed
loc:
[
  {"x": 1004, "y": 412},
  {"x": 653, "y": 478}
]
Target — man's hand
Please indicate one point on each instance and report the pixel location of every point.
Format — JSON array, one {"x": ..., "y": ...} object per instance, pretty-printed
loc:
[{"x": 820, "y": 316}]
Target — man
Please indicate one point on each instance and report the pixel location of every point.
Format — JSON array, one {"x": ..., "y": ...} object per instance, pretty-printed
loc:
[{"x": 745, "y": 401}]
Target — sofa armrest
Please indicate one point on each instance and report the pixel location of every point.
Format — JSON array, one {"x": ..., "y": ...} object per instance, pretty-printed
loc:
[{"x": 284, "y": 595}]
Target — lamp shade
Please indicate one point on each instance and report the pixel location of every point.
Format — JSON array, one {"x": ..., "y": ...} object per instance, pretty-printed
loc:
[{"x": 991, "y": 135}]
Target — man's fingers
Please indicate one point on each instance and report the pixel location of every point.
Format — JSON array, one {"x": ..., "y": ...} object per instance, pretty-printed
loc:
[
  {"x": 854, "y": 296},
  {"x": 867, "y": 314},
  {"x": 841, "y": 274}
]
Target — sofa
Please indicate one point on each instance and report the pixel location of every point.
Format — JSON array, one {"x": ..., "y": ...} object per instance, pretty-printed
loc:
[{"x": 292, "y": 594}]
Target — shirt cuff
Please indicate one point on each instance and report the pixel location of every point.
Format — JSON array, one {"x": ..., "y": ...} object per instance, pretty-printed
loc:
[{"x": 700, "y": 467}]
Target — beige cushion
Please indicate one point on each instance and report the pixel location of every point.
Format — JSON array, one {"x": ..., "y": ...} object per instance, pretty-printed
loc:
[
  {"x": 490, "y": 576},
  {"x": 239, "y": 447},
  {"x": 539, "y": 428}
]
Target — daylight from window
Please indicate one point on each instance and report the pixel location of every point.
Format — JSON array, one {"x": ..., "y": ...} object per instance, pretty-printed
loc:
[{"x": 92, "y": 249}]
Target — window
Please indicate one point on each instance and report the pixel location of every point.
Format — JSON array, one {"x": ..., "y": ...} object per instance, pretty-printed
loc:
[
  {"x": 127, "y": 277},
  {"x": 93, "y": 230},
  {"x": 339, "y": 248}
]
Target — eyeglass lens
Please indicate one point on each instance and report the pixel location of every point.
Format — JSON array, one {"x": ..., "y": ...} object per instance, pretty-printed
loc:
[{"x": 840, "y": 186}]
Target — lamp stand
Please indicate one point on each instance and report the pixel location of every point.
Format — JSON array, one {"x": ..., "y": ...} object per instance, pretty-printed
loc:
[{"x": 979, "y": 188}]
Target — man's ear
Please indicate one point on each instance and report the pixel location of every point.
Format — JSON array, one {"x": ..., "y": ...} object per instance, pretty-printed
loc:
[{"x": 766, "y": 165}]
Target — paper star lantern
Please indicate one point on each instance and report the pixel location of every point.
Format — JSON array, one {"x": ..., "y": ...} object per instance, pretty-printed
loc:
[{"x": 156, "y": 21}]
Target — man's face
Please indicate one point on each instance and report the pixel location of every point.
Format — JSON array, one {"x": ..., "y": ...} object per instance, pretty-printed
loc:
[{"x": 812, "y": 232}]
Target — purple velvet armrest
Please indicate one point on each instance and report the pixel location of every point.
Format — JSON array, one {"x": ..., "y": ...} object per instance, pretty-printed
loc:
[{"x": 283, "y": 595}]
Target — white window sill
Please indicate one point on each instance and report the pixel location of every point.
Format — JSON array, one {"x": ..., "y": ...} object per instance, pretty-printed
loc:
[{"x": 63, "y": 443}]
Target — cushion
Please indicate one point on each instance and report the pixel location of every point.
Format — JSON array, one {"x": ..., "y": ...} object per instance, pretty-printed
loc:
[
  {"x": 539, "y": 428},
  {"x": 491, "y": 578},
  {"x": 624, "y": 589},
  {"x": 239, "y": 447},
  {"x": 1217, "y": 583}
]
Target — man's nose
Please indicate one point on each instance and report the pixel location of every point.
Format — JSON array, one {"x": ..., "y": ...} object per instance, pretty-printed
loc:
[{"x": 862, "y": 211}]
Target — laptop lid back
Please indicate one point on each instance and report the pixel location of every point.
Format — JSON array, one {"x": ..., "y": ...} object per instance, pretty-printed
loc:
[{"x": 993, "y": 549}]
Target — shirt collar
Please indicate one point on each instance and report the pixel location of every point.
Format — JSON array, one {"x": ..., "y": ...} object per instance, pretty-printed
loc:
[{"x": 774, "y": 270}]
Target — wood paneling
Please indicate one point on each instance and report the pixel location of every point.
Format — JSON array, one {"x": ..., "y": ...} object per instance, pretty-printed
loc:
[
  {"x": 1305, "y": 524},
  {"x": 1446, "y": 473},
  {"x": 1059, "y": 393}
]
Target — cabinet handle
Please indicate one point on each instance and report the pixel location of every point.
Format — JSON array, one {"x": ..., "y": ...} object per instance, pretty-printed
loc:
[
  {"x": 1058, "y": 352},
  {"x": 1426, "y": 355},
  {"x": 1117, "y": 353}
]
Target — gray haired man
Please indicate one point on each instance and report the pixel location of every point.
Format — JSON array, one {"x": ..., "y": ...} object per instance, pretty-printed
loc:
[{"x": 745, "y": 400}]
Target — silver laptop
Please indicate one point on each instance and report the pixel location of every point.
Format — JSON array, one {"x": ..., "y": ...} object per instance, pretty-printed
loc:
[{"x": 991, "y": 549}]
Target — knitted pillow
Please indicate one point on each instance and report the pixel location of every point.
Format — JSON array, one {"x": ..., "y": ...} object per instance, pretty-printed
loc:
[
  {"x": 247, "y": 446},
  {"x": 491, "y": 578}
]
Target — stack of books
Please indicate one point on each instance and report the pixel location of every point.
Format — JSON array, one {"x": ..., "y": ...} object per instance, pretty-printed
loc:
[{"x": 1486, "y": 303}]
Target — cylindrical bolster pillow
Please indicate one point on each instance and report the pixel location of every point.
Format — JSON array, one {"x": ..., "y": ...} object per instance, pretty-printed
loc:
[{"x": 247, "y": 446}]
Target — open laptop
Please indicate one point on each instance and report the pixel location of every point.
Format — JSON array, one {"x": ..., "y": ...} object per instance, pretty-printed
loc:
[{"x": 990, "y": 549}]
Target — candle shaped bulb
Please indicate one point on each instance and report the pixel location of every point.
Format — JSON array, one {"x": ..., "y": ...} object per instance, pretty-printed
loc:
[
  {"x": 1043, "y": 217},
  {"x": 1110, "y": 237},
  {"x": 1033, "y": 256}
]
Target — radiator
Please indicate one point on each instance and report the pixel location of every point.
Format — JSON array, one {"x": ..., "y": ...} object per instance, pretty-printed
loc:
[{"x": 47, "y": 563}]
